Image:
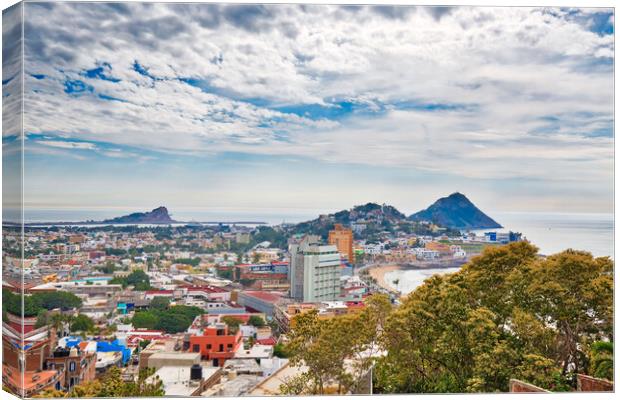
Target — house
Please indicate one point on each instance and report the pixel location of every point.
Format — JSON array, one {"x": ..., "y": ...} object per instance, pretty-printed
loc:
[{"x": 215, "y": 342}]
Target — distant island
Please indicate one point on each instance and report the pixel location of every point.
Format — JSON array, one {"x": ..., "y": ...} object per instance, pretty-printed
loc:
[
  {"x": 456, "y": 212},
  {"x": 157, "y": 216}
]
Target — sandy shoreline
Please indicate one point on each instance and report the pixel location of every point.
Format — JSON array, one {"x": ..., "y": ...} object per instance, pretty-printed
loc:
[{"x": 379, "y": 272}]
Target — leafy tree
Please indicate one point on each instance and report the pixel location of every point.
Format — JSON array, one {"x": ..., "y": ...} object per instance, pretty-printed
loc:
[
  {"x": 108, "y": 268},
  {"x": 280, "y": 351},
  {"x": 145, "y": 319},
  {"x": 338, "y": 351},
  {"x": 57, "y": 299},
  {"x": 233, "y": 323},
  {"x": 256, "y": 321},
  {"x": 602, "y": 360},
  {"x": 173, "y": 323},
  {"x": 160, "y": 303},
  {"x": 506, "y": 314},
  {"x": 82, "y": 323},
  {"x": 190, "y": 261}
]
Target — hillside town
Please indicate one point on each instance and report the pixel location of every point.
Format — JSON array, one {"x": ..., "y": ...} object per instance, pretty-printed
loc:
[{"x": 204, "y": 308}]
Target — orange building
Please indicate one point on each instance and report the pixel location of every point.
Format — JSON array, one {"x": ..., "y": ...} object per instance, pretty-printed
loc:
[
  {"x": 343, "y": 239},
  {"x": 216, "y": 343}
]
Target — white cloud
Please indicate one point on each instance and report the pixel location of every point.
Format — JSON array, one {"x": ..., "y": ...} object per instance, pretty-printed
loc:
[{"x": 528, "y": 92}]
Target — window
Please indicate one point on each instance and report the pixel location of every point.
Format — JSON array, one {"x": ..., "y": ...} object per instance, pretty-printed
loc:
[
  {"x": 196, "y": 348},
  {"x": 209, "y": 346},
  {"x": 72, "y": 367},
  {"x": 221, "y": 347}
]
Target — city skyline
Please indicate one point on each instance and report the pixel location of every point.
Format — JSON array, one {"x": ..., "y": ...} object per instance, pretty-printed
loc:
[{"x": 316, "y": 107}]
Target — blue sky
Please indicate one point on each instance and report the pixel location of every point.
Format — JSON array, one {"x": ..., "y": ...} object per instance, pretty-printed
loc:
[{"x": 317, "y": 107}]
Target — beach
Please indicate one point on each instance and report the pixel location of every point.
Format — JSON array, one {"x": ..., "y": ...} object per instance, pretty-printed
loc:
[
  {"x": 409, "y": 277},
  {"x": 379, "y": 271}
]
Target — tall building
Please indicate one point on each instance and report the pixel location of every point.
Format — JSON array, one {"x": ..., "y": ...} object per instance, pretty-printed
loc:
[
  {"x": 314, "y": 272},
  {"x": 342, "y": 238}
]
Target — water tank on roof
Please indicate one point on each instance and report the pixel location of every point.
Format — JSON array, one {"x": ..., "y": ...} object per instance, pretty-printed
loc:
[
  {"x": 195, "y": 372},
  {"x": 61, "y": 352}
]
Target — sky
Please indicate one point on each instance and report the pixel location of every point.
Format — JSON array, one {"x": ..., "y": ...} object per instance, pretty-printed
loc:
[{"x": 198, "y": 106}]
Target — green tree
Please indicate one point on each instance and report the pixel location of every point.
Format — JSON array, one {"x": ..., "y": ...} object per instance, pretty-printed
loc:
[
  {"x": 506, "y": 314},
  {"x": 57, "y": 299},
  {"x": 233, "y": 323},
  {"x": 602, "y": 360},
  {"x": 160, "y": 303},
  {"x": 256, "y": 321},
  {"x": 145, "y": 319},
  {"x": 173, "y": 323},
  {"x": 82, "y": 323}
]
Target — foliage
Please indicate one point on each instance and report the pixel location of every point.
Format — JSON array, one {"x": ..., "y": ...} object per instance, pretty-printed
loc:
[
  {"x": 145, "y": 319},
  {"x": 36, "y": 303},
  {"x": 82, "y": 323},
  {"x": 190, "y": 261},
  {"x": 107, "y": 268},
  {"x": 112, "y": 385},
  {"x": 256, "y": 321},
  {"x": 172, "y": 320},
  {"x": 506, "y": 314},
  {"x": 160, "y": 303},
  {"x": 326, "y": 346},
  {"x": 138, "y": 279},
  {"x": 233, "y": 323},
  {"x": 279, "y": 351},
  {"x": 602, "y": 360},
  {"x": 225, "y": 274}
]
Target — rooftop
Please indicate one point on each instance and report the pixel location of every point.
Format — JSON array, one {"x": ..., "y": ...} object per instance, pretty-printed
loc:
[
  {"x": 271, "y": 297},
  {"x": 176, "y": 379}
]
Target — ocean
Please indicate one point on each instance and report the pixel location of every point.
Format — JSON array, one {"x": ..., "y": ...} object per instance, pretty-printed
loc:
[
  {"x": 550, "y": 232},
  {"x": 555, "y": 232}
]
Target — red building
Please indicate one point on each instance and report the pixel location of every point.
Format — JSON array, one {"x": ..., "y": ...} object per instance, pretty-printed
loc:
[{"x": 215, "y": 342}]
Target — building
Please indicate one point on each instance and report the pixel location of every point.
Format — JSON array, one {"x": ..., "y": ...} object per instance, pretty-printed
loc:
[
  {"x": 314, "y": 273},
  {"x": 78, "y": 365},
  {"x": 187, "y": 381},
  {"x": 342, "y": 238},
  {"x": 260, "y": 301},
  {"x": 23, "y": 361},
  {"x": 172, "y": 359},
  {"x": 215, "y": 342},
  {"x": 33, "y": 362}
]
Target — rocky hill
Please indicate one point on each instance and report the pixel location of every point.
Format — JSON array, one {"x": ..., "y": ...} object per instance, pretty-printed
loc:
[
  {"x": 372, "y": 214},
  {"x": 157, "y": 216},
  {"x": 456, "y": 212}
]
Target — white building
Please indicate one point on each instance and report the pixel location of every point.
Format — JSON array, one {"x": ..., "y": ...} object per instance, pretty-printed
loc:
[{"x": 314, "y": 271}]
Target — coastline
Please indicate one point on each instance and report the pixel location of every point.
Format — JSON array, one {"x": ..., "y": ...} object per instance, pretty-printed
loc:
[{"x": 379, "y": 271}]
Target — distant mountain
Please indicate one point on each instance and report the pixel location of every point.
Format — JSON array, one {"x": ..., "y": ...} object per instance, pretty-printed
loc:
[
  {"x": 157, "y": 216},
  {"x": 457, "y": 212}
]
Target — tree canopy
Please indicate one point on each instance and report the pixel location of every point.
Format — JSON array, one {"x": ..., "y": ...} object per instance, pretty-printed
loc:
[
  {"x": 171, "y": 320},
  {"x": 506, "y": 314}
]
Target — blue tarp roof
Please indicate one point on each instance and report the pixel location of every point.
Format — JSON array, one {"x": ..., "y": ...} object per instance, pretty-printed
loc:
[{"x": 115, "y": 346}]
